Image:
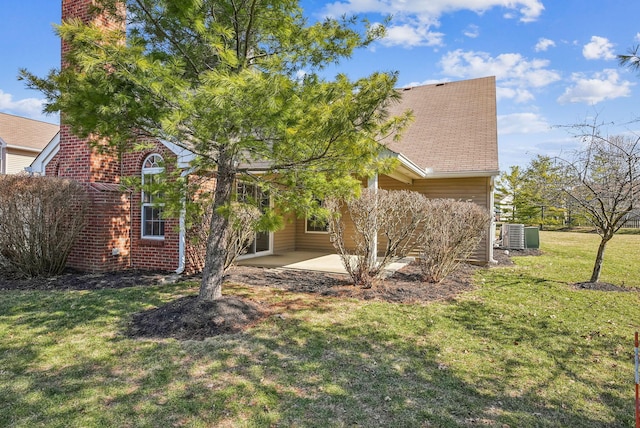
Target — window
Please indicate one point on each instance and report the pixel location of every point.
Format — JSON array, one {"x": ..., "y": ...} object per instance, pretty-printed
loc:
[
  {"x": 315, "y": 225},
  {"x": 152, "y": 221}
]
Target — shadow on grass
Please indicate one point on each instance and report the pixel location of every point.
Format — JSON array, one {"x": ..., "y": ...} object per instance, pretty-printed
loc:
[{"x": 367, "y": 365}]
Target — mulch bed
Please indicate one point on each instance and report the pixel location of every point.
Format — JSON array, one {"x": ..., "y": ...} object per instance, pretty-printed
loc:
[{"x": 188, "y": 318}]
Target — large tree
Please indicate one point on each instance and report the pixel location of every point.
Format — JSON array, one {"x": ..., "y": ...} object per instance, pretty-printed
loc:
[
  {"x": 541, "y": 187},
  {"x": 510, "y": 196},
  {"x": 530, "y": 195},
  {"x": 238, "y": 83},
  {"x": 603, "y": 180}
]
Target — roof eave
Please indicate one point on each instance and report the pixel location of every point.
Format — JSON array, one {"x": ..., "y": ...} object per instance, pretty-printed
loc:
[
  {"x": 408, "y": 167},
  {"x": 24, "y": 148},
  {"x": 185, "y": 156},
  {"x": 39, "y": 164},
  {"x": 463, "y": 174}
]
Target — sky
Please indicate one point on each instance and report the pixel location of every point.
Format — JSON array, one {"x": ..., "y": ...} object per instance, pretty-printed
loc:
[{"x": 554, "y": 61}]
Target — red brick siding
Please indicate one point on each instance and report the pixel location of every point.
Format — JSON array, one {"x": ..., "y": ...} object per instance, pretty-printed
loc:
[
  {"x": 153, "y": 254},
  {"x": 107, "y": 229},
  {"x": 115, "y": 218}
]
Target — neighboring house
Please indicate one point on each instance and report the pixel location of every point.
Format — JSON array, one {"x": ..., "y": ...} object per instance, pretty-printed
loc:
[
  {"x": 449, "y": 151},
  {"x": 21, "y": 140}
]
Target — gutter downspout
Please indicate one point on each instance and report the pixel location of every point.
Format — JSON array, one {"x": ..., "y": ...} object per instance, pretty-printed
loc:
[
  {"x": 182, "y": 239},
  {"x": 372, "y": 184},
  {"x": 492, "y": 228}
]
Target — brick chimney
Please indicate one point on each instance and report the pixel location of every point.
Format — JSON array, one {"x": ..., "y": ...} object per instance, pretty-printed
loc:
[
  {"x": 77, "y": 159},
  {"x": 105, "y": 242}
]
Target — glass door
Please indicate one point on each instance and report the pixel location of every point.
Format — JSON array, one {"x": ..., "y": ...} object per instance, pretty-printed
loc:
[{"x": 261, "y": 243}]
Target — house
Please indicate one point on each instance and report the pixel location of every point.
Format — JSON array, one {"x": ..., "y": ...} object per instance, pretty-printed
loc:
[
  {"x": 21, "y": 140},
  {"x": 449, "y": 151}
]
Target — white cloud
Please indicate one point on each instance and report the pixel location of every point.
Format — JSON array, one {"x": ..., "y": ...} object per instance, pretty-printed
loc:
[
  {"x": 519, "y": 95},
  {"x": 411, "y": 36},
  {"x": 637, "y": 37},
  {"x": 544, "y": 44},
  {"x": 599, "y": 48},
  {"x": 472, "y": 31},
  {"x": 27, "y": 107},
  {"x": 522, "y": 123},
  {"x": 413, "y": 20},
  {"x": 510, "y": 69},
  {"x": 605, "y": 85}
]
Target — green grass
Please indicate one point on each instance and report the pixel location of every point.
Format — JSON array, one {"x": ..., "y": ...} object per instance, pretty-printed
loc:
[
  {"x": 569, "y": 257},
  {"x": 522, "y": 350}
]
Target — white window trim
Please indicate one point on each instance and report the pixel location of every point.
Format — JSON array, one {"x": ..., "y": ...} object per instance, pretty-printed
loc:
[
  {"x": 3, "y": 156},
  {"x": 148, "y": 171},
  {"x": 319, "y": 232}
]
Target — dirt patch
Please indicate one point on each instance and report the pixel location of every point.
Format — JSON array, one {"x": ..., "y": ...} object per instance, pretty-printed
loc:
[
  {"x": 404, "y": 286},
  {"x": 602, "y": 286},
  {"x": 188, "y": 318},
  {"x": 73, "y": 280}
]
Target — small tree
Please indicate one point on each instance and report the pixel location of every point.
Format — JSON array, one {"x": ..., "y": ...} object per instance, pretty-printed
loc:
[
  {"x": 450, "y": 235},
  {"x": 603, "y": 180},
  {"x": 378, "y": 216},
  {"x": 40, "y": 219}
]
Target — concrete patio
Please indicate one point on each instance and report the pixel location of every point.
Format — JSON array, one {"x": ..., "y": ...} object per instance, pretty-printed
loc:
[{"x": 311, "y": 261}]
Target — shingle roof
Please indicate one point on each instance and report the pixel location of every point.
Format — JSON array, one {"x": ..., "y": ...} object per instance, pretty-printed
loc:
[
  {"x": 454, "y": 129},
  {"x": 26, "y": 133}
]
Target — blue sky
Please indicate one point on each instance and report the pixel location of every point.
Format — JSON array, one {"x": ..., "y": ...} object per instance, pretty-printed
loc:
[{"x": 554, "y": 60}]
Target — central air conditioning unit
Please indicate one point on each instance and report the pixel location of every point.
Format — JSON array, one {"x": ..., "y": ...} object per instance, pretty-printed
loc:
[{"x": 513, "y": 236}]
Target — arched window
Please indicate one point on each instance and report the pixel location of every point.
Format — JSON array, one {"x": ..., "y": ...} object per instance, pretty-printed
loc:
[{"x": 152, "y": 221}]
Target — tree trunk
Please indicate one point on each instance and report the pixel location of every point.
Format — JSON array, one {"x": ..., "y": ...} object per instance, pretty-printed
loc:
[
  {"x": 213, "y": 272},
  {"x": 595, "y": 276}
]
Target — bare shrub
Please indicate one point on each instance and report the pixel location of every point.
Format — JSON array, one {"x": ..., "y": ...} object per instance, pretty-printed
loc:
[
  {"x": 40, "y": 219},
  {"x": 387, "y": 217},
  {"x": 451, "y": 233},
  {"x": 243, "y": 218}
]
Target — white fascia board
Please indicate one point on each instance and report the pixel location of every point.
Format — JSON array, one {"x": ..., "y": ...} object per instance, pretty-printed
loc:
[
  {"x": 23, "y": 149},
  {"x": 409, "y": 168},
  {"x": 462, "y": 174},
  {"x": 185, "y": 156},
  {"x": 41, "y": 161}
]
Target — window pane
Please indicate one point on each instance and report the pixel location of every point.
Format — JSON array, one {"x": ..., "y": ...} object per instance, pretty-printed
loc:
[
  {"x": 314, "y": 225},
  {"x": 152, "y": 222}
]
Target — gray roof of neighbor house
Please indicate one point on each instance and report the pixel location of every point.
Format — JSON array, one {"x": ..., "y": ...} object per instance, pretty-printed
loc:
[
  {"x": 26, "y": 134},
  {"x": 454, "y": 131}
]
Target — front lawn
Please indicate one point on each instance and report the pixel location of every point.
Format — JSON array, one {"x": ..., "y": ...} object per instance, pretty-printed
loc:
[{"x": 523, "y": 349}]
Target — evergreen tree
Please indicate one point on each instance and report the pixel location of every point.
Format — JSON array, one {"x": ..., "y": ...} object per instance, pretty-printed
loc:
[{"x": 236, "y": 82}]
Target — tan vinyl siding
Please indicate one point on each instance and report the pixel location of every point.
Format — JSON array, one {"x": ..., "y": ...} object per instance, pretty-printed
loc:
[
  {"x": 475, "y": 189},
  {"x": 17, "y": 161},
  {"x": 465, "y": 189},
  {"x": 285, "y": 239},
  {"x": 318, "y": 241},
  {"x": 315, "y": 241}
]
